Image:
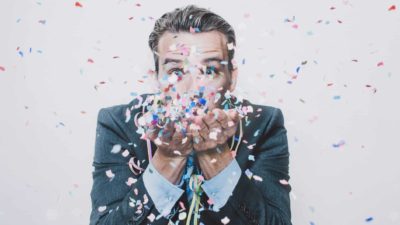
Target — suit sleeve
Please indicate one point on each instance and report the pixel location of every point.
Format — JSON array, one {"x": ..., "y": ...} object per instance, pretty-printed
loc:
[
  {"x": 261, "y": 195},
  {"x": 118, "y": 196}
]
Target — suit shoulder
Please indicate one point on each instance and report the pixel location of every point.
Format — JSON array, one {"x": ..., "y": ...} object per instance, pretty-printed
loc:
[{"x": 263, "y": 112}]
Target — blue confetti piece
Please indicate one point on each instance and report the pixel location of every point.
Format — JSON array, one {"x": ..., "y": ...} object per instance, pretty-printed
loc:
[
  {"x": 312, "y": 223},
  {"x": 243, "y": 61},
  {"x": 21, "y": 53},
  {"x": 369, "y": 219},
  {"x": 202, "y": 101},
  {"x": 336, "y": 97},
  {"x": 298, "y": 69}
]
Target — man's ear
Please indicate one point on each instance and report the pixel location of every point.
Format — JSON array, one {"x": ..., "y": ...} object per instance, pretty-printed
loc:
[{"x": 234, "y": 74}]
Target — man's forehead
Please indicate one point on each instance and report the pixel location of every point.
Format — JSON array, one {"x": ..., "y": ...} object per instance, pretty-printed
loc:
[{"x": 212, "y": 42}]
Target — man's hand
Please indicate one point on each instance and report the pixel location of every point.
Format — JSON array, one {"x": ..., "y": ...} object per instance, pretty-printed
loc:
[
  {"x": 210, "y": 134},
  {"x": 173, "y": 147}
]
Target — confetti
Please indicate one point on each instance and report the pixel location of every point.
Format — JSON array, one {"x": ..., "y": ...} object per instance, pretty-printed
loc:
[
  {"x": 339, "y": 144},
  {"x": 116, "y": 149},
  {"x": 257, "y": 178},
  {"x": 225, "y": 220},
  {"x": 284, "y": 182},
  {"x": 392, "y": 8},
  {"x": 182, "y": 215},
  {"x": 110, "y": 174},
  {"x": 251, "y": 157},
  {"x": 151, "y": 217},
  {"x": 2, "y": 69},
  {"x": 369, "y": 219},
  {"x": 101, "y": 208},
  {"x": 379, "y": 64},
  {"x": 125, "y": 153},
  {"x": 131, "y": 181},
  {"x": 78, "y": 4}
]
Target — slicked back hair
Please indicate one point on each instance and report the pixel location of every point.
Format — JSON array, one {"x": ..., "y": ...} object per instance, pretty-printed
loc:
[{"x": 183, "y": 19}]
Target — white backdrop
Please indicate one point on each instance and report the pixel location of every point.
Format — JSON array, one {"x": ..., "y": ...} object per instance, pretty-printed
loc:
[{"x": 331, "y": 66}]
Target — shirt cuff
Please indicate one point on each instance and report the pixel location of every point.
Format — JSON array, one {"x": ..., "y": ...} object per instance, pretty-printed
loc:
[
  {"x": 163, "y": 193},
  {"x": 220, "y": 187}
]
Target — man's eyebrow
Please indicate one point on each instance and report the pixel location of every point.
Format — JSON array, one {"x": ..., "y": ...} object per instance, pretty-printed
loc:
[
  {"x": 212, "y": 59},
  {"x": 169, "y": 60}
]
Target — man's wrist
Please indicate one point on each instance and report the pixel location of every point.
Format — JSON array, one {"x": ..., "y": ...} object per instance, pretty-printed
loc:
[
  {"x": 171, "y": 168},
  {"x": 213, "y": 161}
]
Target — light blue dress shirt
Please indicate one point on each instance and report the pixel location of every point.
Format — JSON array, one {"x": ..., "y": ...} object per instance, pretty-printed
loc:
[{"x": 165, "y": 194}]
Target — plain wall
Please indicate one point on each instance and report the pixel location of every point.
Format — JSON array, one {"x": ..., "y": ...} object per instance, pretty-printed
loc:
[{"x": 331, "y": 66}]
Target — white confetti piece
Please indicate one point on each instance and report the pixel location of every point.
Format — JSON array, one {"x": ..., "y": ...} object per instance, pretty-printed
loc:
[
  {"x": 251, "y": 157},
  {"x": 230, "y": 46},
  {"x": 173, "y": 78},
  {"x": 257, "y": 178},
  {"x": 145, "y": 199},
  {"x": 213, "y": 135},
  {"x": 184, "y": 140},
  {"x": 248, "y": 173},
  {"x": 225, "y": 220},
  {"x": 125, "y": 153},
  {"x": 182, "y": 215},
  {"x": 116, "y": 149},
  {"x": 136, "y": 191},
  {"x": 157, "y": 141},
  {"x": 142, "y": 121},
  {"x": 213, "y": 160},
  {"x": 110, "y": 174},
  {"x": 151, "y": 217},
  {"x": 102, "y": 208},
  {"x": 231, "y": 123},
  {"x": 284, "y": 182},
  {"x": 176, "y": 152},
  {"x": 131, "y": 181},
  {"x": 127, "y": 115}
]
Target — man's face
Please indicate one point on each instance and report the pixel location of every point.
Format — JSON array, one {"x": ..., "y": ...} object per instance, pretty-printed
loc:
[{"x": 193, "y": 63}]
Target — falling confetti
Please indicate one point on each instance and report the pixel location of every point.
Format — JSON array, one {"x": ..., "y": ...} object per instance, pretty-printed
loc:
[
  {"x": 225, "y": 220},
  {"x": 78, "y": 4},
  {"x": 392, "y": 8},
  {"x": 116, "y": 149},
  {"x": 2, "y": 69}
]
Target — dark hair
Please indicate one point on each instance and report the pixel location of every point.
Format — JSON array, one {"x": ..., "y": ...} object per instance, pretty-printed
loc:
[{"x": 182, "y": 19}]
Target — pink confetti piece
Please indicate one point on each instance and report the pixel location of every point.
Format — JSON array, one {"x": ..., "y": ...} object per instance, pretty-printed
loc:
[
  {"x": 90, "y": 60},
  {"x": 379, "y": 64},
  {"x": 392, "y": 8},
  {"x": 2, "y": 69},
  {"x": 284, "y": 182}
]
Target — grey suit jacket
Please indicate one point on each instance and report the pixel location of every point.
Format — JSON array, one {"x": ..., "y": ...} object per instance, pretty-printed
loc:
[{"x": 119, "y": 197}]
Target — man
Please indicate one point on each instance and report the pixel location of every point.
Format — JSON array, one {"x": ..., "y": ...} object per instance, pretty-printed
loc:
[{"x": 193, "y": 153}]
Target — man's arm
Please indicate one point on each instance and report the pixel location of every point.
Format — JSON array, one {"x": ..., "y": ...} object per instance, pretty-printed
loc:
[
  {"x": 118, "y": 196},
  {"x": 262, "y": 199}
]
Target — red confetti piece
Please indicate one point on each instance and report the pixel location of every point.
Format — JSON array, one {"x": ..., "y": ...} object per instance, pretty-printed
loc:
[
  {"x": 138, "y": 4},
  {"x": 380, "y": 64},
  {"x": 102, "y": 82},
  {"x": 329, "y": 84},
  {"x": 392, "y": 8},
  {"x": 90, "y": 60},
  {"x": 78, "y": 4},
  {"x": 2, "y": 69}
]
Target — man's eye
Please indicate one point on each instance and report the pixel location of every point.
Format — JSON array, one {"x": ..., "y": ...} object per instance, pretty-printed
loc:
[
  {"x": 176, "y": 71},
  {"x": 211, "y": 70}
]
